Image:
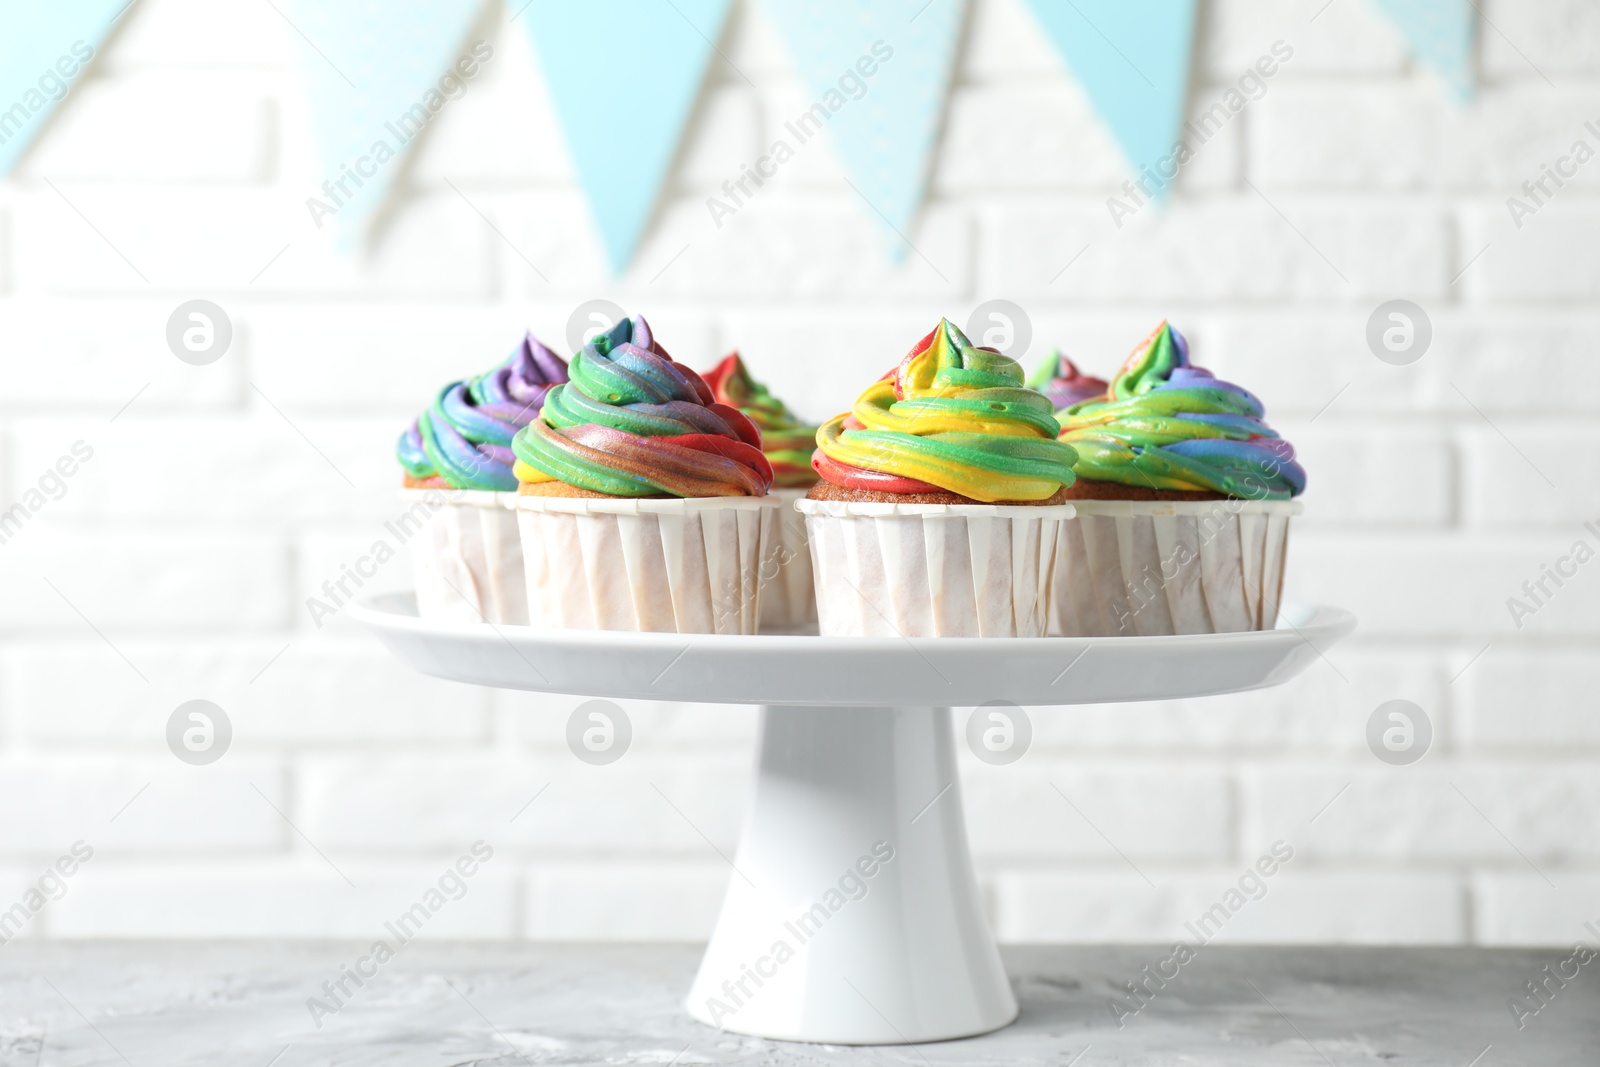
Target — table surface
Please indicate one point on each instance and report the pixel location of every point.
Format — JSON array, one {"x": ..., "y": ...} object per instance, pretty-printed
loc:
[{"x": 245, "y": 1005}]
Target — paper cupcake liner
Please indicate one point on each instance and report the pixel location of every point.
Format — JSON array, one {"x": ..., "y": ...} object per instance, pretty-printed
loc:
[
  {"x": 1154, "y": 567},
  {"x": 788, "y": 596},
  {"x": 932, "y": 570},
  {"x": 468, "y": 561},
  {"x": 668, "y": 566}
]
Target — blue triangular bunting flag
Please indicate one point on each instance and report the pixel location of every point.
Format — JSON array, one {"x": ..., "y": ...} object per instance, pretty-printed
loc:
[
  {"x": 44, "y": 48},
  {"x": 623, "y": 78},
  {"x": 878, "y": 72},
  {"x": 376, "y": 76},
  {"x": 1440, "y": 33},
  {"x": 1132, "y": 58}
]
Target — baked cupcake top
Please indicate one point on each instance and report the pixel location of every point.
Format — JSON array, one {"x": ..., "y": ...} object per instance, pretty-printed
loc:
[
  {"x": 463, "y": 440},
  {"x": 951, "y": 417},
  {"x": 631, "y": 422},
  {"x": 1059, "y": 379},
  {"x": 786, "y": 440},
  {"x": 1170, "y": 426}
]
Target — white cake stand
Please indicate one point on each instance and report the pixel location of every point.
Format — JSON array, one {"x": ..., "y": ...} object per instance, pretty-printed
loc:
[{"x": 852, "y": 915}]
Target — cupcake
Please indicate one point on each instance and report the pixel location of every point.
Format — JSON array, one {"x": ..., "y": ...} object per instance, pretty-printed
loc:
[
  {"x": 940, "y": 498},
  {"x": 787, "y": 597},
  {"x": 457, "y": 461},
  {"x": 641, "y": 499},
  {"x": 1059, "y": 379},
  {"x": 1184, "y": 497}
]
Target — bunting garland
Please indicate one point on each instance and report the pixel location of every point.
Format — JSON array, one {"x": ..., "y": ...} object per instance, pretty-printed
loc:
[
  {"x": 1441, "y": 34},
  {"x": 44, "y": 50},
  {"x": 624, "y": 77},
  {"x": 376, "y": 77},
  {"x": 1132, "y": 58},
  {"x": 878, "y": 72}
]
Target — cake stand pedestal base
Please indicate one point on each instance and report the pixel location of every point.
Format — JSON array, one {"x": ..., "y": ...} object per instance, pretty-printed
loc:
[{"x": 852, "y": 915}]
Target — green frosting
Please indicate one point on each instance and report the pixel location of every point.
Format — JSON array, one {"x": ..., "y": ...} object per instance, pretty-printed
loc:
[{"x": 1170, "y": 426}]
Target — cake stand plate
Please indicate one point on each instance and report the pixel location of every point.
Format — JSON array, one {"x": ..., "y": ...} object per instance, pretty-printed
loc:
[{"x": 852, "y": 914}]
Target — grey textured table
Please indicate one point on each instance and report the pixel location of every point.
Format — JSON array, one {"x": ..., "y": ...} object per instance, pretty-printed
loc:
[{"x": 245, "y": 1005}]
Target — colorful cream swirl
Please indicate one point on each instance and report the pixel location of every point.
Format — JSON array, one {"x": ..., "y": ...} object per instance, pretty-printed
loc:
[
  {"x": 786, "y": 440},
  {"x": 952, "y": 417},
  {"x": 1168, "y": 425},
  {"x": 463, "y": 441},
  {"x": 1059, "y": 379},
  {"x": 632, "y": 422}
]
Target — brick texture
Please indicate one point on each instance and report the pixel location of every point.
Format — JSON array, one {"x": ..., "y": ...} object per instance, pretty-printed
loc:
[{"x": 176, "y": 562}]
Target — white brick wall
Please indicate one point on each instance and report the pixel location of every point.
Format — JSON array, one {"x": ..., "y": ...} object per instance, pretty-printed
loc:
[{"x": 193, "y": 536}]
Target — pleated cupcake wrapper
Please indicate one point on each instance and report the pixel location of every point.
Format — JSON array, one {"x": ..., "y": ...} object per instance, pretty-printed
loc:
[
  {"x": 932, "y": 570},
  {"x": 468, "y": 559},
  {"x": 788, "y": 597},
  {"x": 1134, "y": 568},
  {"x": 668, "y": 566}
]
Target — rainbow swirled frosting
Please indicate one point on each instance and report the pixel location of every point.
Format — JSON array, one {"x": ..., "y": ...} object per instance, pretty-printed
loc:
[
  {"x": 786, "y": 440},
  {"x": 463, "y": 440},
  {"x": 1170, "y": 426},
  {"x": 1060, "y": 379},
  {"x": 631, "y": 422},
  {"x": 951, "y": 417}
]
